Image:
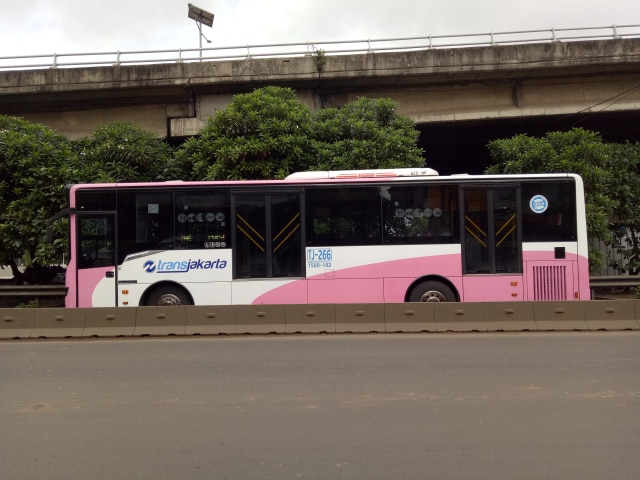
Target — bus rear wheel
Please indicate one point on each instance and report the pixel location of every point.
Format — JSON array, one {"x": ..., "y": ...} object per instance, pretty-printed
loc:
[
  {"x": 432, "y": 291},
  {"x": 167, "y": 296}
]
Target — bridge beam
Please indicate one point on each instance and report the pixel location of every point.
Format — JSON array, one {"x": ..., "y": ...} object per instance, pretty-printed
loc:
[{"x": 434, "y": 85}]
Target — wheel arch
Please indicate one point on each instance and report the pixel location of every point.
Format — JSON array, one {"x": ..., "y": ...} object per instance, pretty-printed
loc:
[
  {"x": 163, "y": 284},
  {"x": 433, "y": 278}
]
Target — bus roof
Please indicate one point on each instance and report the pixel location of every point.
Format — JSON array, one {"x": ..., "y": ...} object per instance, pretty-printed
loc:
[
  {"x": 376, "y": 173},
  {"x": 329, "y": 177}
]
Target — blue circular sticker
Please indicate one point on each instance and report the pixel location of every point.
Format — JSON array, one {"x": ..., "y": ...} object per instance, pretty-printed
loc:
[{"x": 538, "y": 204}]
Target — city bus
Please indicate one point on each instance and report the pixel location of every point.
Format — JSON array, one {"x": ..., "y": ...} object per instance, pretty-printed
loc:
[{"x": 403, "y": 235}]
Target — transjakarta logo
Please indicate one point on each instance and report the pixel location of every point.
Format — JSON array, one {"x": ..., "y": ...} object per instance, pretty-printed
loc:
[{"x": 183, "y": 266}]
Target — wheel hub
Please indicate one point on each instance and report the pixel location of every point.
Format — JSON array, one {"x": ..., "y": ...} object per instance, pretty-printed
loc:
[
  {"x": 169, "y": 300},
  {"x": 433, "y": 296}
]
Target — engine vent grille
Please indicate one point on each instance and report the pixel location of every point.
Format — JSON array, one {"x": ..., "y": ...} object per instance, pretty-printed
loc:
[{"x": 550, "y": 282}]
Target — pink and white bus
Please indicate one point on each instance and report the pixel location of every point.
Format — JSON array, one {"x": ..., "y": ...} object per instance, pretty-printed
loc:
[{"x": 404, "y": 235}]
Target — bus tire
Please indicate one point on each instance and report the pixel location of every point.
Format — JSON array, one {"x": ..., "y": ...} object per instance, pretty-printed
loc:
[
  {"x": 432, "y": 291},
  {"x": 167, "y": 296}
]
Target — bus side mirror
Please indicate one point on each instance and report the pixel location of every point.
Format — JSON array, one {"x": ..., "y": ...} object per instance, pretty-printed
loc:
[{"x": 62, "y": 213}]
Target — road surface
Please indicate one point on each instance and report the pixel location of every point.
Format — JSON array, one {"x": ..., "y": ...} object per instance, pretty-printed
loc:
[{"x": 425, "y": 406}]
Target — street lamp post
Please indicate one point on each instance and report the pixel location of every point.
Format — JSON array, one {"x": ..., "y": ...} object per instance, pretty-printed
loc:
[{"x": 201, "y": 16}]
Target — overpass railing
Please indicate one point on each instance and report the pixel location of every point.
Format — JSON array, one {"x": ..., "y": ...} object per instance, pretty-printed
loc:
[{"x": 67, "y": 60}]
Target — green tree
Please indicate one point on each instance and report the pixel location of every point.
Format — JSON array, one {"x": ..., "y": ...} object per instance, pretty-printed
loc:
[
  {"x": 35, "y": 163},
  {"x": 259, "y": 135},
  {"x": 269, "y": 134},
  {"x": 365, "y": 133},
  {"x": 576, "y": 151},
  {"x": 625, "y": 161},
  {"x": 123, "y": 152}
]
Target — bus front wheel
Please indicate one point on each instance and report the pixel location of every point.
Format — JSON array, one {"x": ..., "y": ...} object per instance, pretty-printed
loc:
[
  {"x": 167, "y": 296},
  {"x": 432, "y": 291}
]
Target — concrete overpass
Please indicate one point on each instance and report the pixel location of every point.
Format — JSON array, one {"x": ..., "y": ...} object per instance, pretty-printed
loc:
[{"x": 459, "y": 97}]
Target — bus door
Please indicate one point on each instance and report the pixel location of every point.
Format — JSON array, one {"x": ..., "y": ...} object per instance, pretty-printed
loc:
[
  {"x": 492, "y": 243},
  {"x": 267, "y": 235},
  {"x": 96, "y": 260}
]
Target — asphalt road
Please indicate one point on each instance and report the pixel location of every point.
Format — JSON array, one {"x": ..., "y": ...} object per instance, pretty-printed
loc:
[{"x": 429, "y": 406}]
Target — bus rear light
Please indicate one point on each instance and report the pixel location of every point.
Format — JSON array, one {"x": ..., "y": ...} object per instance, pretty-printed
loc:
[
  {"x": 125, "y": 292},
  {"x": 514, "y": 284}
]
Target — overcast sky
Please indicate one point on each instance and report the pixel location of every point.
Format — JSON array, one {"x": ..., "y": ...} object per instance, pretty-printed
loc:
[{"x": 76, "y": 26}]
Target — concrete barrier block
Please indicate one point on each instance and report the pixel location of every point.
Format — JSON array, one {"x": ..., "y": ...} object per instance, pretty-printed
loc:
[
  {"x": 260, "y": 319},
  {"x": 510, "y": 317},
  {"x": 16, "y": 322},
  {"x": 561, "y": 315},
  {"x": 58, "y": 323},
  {"x": 320, "y": 318},
  {"x": 409, "y": 317},
  {"x": 109, "y": 322},
  {"x": 460, "y": 317},
  {"x": 211, "y": 320},
  {"x": 360, "y": 318},
  {"x": 160, "y": 321},
  {"x": 612, "y": 315}
]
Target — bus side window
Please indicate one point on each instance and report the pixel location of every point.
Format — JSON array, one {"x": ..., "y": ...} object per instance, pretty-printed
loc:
[
  {"x": 343, "y": 216},
  {"x": 144, "y": 221},
  {"x": 419, "y": 214},
  {"x": 96, "y": 241},
  {"x": 557, "y": 221},
  {"x": 202, "y": 220}
]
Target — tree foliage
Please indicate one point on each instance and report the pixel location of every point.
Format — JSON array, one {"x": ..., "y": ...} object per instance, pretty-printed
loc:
[
  {"x": 626, "y": 217},
  {"x": 365, "y": 133},
  {"x": 268, "y": 134},
  {"x": 123, "y": 152},
  {"x": 259, "y": 135},
  {"x": 35, "y": 163},
  {"x": 607, "y": 182}
]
